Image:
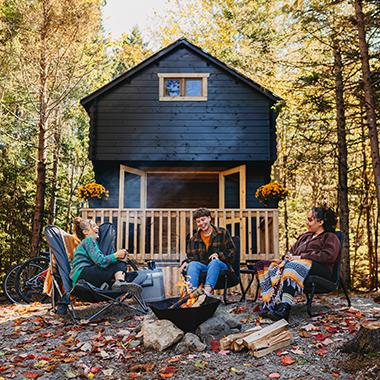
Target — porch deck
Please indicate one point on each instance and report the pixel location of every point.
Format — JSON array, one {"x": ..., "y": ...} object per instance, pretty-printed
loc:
[{"x": 160, "y": 234}]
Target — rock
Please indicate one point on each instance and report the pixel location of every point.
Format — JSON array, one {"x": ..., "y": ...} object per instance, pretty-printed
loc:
[
  {"x": 213, "y": 328},
  {"x": 232, "y": 321},
  {"x": 189, "y": 343},
  {"x": 160, "y": 334}
]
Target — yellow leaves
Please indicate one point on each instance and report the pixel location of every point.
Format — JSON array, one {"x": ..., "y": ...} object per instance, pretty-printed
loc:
[
  {"x": 272, "y": 191},
  {"x": 92, "y": 190}
]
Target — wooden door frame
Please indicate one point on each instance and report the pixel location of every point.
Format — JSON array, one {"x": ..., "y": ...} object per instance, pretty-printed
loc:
[
  {"x": 127, "y": 169},
  {"x": 242, "y": 170}
]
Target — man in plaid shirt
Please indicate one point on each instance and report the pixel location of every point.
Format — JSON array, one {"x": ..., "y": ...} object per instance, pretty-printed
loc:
[{"x": 210, "y": 248}]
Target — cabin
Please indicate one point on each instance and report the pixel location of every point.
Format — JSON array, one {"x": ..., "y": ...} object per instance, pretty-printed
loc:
[{"x": 178, "y": 131}]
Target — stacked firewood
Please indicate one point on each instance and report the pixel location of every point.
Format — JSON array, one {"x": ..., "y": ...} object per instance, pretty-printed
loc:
[{"x": 260, "y": 341}]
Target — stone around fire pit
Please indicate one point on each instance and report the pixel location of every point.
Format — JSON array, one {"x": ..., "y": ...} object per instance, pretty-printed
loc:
[
  {"x": 160, "y": 334},
  {"x": 220, "y": 325},
  {"x": 190, "y": 343}
]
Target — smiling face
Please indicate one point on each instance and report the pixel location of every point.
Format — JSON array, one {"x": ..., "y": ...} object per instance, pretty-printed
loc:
[
  {"x": 92, "y": 230},
  {"x": 203, "y": 223},
  {"x": 313, "y": 224}
]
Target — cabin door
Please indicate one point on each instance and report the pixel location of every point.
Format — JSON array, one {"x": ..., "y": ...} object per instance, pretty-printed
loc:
[
  {"x": 232, "y": 188},
  {"x": 132, "y": 188}
]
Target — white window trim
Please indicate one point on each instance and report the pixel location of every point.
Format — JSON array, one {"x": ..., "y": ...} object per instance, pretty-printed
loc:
[{"x": 163, "y": 76}]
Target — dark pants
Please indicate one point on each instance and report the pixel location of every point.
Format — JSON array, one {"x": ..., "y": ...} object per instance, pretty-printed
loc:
[
  {"x": 317, "y": 269},
  {"x": 97, "y": 276}
]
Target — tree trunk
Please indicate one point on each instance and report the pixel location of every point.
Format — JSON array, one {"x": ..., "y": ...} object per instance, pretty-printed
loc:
[
  {"x": 342, "y": 165},
  {"x": 367, "y": 207},
  {"x": 42, "y": 136},
  {"x": 369, "y": 97},
  {"x": 54, "y": 180},
  {"x": 367, "y": 339}
]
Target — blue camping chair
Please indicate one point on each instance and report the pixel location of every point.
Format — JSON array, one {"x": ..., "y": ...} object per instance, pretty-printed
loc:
[
  {"x": 319, "y": 285},
  {"x": 84, "y": 291}
]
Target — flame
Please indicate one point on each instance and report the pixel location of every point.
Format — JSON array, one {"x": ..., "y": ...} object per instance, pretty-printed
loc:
[{"x": 185, "y": 289}]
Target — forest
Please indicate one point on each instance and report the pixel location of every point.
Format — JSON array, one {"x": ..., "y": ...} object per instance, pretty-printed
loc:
[{"x": 322, "y": 57}]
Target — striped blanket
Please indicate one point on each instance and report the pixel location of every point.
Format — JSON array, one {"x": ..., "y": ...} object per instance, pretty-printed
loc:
[{"x": 272, "y": 276}]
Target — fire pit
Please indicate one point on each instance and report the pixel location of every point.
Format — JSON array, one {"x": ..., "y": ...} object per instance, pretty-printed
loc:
[{"x": 187, "y": 319}]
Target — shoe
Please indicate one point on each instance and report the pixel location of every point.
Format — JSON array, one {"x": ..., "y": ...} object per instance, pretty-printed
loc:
[
  {"x": 127, "y": 287},
  {"x": 265, "y": 312},
  {"x": 281, "y": 311},
  {"x": 61, "y": 309}
]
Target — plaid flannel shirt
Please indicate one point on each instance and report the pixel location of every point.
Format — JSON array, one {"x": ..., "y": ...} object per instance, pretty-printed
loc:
[{"x": 221, "y": 243}]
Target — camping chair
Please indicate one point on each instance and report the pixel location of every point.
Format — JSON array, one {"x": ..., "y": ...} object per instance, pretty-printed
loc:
[
  {"x": 319, "y": 285},
  {"x": 84, "y": 291},
  {"x": 227, "y": 277}
]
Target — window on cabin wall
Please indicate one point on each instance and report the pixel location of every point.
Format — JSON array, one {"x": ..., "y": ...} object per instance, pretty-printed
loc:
[{"x": 183, "y": 87}]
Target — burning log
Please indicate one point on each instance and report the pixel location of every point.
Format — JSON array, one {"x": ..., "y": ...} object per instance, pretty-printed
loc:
[{"x": 190, "y": 296}]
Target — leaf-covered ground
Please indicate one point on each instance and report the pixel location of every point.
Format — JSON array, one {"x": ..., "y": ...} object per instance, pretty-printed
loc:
[{"x": 38, "y": 344}]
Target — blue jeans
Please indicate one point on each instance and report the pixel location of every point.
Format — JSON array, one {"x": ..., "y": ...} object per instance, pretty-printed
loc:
[{"x": 213, "y": 269}]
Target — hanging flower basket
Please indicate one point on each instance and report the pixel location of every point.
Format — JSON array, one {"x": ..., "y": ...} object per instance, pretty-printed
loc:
[
  {"x": 271, "y": 193},
  {"x": 91, "y": 190}
]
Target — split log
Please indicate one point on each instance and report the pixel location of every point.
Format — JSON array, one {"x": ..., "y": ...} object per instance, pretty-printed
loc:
[
  {"x": 235, "y": 341},
  {"x": 269, "y": 339},
  {"x": 367, "y": 339},
  {"x": 266, "y": 332},
  {"x": 194, "y": 294},
  {"x": 200, "y": 300}
]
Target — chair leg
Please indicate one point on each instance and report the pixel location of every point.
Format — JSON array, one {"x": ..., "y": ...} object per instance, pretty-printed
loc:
[
  {"x": 225, "y": 290},
  {"x": 257, "y": 287},
  {"x": 345, "y": 291},
  {"x": 244, "y": 291},
  {"x": 310, "y": 297}
]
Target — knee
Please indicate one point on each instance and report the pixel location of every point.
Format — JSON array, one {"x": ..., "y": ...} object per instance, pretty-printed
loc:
[
  {"x": 194, "y": 265},
  {"x": 216, "y": 263}
]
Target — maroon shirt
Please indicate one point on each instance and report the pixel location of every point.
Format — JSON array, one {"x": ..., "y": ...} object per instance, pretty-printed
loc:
[{"x": 323, "y": 248}]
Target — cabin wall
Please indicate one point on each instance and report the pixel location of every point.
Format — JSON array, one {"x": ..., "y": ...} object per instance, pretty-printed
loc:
[
  {"x": 129, "y": 123},
  {"x": 180, "y": 193}
]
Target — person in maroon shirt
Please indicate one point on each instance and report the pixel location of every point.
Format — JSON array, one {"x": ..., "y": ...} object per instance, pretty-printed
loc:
[{"x": 319, "y": 244}]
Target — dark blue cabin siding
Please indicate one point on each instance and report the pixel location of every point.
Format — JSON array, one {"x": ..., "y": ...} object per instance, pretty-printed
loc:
[
  {"x": 129, "y": 123},
  {"x": 107, "y": 173}
]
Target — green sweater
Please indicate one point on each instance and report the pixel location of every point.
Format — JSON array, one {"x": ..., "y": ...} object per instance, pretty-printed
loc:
[{"x": 87, "y": 254}]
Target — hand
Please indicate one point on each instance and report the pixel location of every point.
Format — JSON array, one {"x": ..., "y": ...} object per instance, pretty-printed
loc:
[
  {"x": 213, "y": 256},
  {"x": 288, "y": 256},
  {"x": 183, "y": 267},
  {"x": 121, "y": 254}
]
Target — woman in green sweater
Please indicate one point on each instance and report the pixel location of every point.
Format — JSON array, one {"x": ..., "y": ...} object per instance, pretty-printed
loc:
[{"x": 92, "y": 265}]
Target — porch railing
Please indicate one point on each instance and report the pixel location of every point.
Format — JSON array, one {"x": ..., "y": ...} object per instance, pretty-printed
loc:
[{"x": 161, "y": 234}]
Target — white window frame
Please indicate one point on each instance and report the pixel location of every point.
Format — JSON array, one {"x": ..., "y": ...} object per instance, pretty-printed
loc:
[{"x": 163, "y": 76}]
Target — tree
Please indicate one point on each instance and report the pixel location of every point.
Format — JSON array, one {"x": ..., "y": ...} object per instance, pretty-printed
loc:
[{"x": 55, "y": 48}]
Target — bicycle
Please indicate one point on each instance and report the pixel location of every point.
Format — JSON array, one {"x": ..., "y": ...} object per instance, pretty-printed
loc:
[
  {"x": 9, "y": 285},
  {"x": 30, "y": 277}
]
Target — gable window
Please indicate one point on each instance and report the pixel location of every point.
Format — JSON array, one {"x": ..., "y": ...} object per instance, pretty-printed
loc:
[{"x": 183, "y": 86}]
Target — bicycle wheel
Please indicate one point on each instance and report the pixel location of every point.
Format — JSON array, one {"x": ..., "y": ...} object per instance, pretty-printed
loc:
[
  {"x": 30, "y": 279},
  {"x": 9, "y": 285}
]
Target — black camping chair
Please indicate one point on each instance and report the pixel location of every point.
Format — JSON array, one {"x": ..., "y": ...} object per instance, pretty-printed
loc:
[
  {"x": 319, "y": 285},
  {"x": 83, "y": 290},
  {"x": 227, "y": 277}
]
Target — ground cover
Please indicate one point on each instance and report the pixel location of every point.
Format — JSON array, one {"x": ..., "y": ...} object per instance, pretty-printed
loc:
[{"x": 38, "y": 344}]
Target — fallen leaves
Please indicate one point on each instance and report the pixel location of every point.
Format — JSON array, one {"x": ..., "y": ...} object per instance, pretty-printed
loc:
[
  {"x": 167, "y": 372},
  {"x": 287, "y": 360},
  {"x": 274, "y": 375},
  {"x": 31, "y": 375}
]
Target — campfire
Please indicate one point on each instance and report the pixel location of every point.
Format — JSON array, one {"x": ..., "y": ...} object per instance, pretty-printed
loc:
[
  {"x": 188, "y": 311},
  {"x": 189, "y": 297}
]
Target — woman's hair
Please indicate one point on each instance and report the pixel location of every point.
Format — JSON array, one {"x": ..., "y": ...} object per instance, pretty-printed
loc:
[
  {"x": 199, "y": 212},
  {"x": 80, "y": 225},
  {"x": 327, "y": 215}
]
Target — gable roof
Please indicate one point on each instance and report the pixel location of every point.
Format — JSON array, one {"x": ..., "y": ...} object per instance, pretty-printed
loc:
[{"x": 163, "y": 52}]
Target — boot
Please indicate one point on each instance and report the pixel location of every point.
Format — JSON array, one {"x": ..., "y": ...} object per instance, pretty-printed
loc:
[{"x": 281, "y": 311}]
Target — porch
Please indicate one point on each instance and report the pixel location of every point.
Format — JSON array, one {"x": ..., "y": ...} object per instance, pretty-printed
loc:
[{"x": 160, "y": 234}]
